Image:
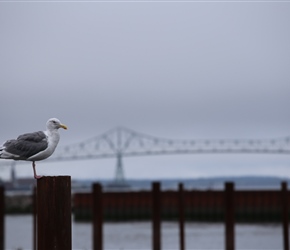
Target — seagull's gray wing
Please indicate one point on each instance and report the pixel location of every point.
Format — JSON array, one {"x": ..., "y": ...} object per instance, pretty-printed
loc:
[{"x": 27, "y": 145}]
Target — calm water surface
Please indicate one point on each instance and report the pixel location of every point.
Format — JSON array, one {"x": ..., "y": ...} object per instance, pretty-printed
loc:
[{"x": 137, "y": 235}]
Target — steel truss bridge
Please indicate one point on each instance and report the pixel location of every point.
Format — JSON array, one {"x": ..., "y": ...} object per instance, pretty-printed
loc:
[{"x": 123, "y": 142}]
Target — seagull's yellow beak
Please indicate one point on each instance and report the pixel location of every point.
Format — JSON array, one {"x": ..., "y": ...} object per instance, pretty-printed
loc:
[{"x": 63, "y": 126}]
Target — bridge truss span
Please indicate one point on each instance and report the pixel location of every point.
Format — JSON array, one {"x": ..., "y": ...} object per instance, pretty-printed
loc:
[
  {"x": 123, "y": 142},
  {"x": 126, "y": 142}
]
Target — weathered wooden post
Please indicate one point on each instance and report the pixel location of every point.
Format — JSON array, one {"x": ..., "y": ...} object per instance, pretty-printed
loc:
[
  {"x": 34, "y": 232},
  {"x": 229, "y": 216},
  {"x": 97, "y": 213},
  {"x": 181, "y": 215},
  {"x": 54, "y": 213},
  {"x": 285, "y": 214},
  {"x": 2, "y": 210},
  {"x": 156, "y": 216}
]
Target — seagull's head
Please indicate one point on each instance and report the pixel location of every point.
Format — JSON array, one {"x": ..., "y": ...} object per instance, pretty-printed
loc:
[{"x": 54, "y": 123}]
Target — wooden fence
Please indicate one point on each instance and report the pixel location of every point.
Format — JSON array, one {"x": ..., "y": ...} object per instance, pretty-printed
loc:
[
  {"x": 52, "y": 220},
  {"x": 229, "y": 206},
  {"x": 208, "y": 206}
]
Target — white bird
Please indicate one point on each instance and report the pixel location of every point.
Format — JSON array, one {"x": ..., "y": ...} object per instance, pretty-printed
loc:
[{"x": 34, "y": 146}]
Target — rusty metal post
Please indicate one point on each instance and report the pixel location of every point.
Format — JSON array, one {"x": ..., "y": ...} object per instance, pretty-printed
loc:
[
  {"x": 285, "y": 215},
  {"x": 54, "y": 213},
  {"x": 97, "y": 217},
  {"x": 229, "y": 216},
  {"x": 34, "y": 232},
  {"x": 181, "y": 215},
  {"x": 2, "y": 212},
  {"x": 156, "y": 216}
]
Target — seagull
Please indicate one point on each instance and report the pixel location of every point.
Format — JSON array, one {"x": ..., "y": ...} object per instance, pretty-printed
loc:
[{"x": 34, "y": 146}]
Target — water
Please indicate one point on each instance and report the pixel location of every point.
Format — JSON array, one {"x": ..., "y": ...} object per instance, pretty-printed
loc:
[{"x": 137, "y": 235}]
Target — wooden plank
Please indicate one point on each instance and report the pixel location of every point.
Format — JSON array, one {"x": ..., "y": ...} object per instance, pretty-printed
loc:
[
  {"x": 285, "y": 222},
  {"x": 97, "y": 217},
  {"x": 54, "y": 213},
  {"x": 229, "y": 216},
  {"x": 156, "y": 216},
  {"x": 181, "y": 216},
  {"x": 34, "y": 232},
  {"x": 2, "y": 213}
]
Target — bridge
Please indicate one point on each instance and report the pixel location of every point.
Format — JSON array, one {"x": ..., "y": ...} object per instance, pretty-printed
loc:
[{"x": 124, "y": 142}]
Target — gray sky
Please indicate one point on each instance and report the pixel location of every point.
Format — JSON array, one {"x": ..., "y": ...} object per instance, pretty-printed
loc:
[{"x": 171, "y": 69}]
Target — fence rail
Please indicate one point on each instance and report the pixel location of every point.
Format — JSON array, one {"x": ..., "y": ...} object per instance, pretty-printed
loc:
[{"x": 250, "y": 206}]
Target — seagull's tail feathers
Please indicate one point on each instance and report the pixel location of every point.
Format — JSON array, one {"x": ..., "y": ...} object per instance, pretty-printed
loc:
[
  {"x": 4, "y": 154},
  {"x": 1, "y": 151}
]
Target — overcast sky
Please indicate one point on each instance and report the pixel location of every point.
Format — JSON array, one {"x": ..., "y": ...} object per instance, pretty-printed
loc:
[{"x": 172, "y": 69}]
